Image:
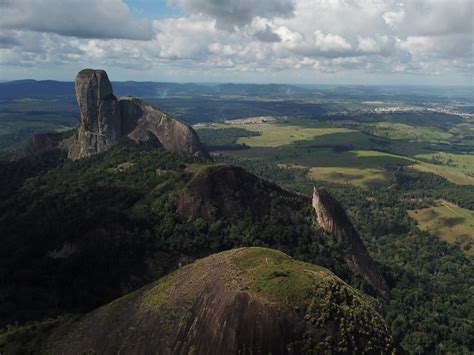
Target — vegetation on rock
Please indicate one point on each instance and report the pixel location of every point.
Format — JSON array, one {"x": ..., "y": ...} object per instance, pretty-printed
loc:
[{"x": 252, "y": 300}]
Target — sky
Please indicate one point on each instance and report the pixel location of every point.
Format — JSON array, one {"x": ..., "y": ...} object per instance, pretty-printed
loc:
[{"x": 371, "y": 42}]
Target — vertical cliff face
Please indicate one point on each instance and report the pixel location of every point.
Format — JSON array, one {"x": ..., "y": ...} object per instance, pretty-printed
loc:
[
  {"x": 104, "y": 120},
  {"x": 101, "y": 124},
  {"x": 331, "y": 217},
  {"x": 140, "y": 119}
]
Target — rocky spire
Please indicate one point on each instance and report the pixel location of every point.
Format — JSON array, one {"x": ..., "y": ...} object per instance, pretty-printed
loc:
[
  {"x": 100, "y": 124},
  {"x": 104, "y": 120},
  {"x": 331, "y": 217}
]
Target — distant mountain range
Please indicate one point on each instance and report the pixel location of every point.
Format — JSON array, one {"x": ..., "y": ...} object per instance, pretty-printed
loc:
[
  {"x": 51, "y": 88},
  {"x": 59, "y": 89}
]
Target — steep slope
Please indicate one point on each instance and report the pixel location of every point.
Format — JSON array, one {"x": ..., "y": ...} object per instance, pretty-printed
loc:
[
  {"x": 243, "y": 301},
  {"x": 218, "y": 191},
  {"x": 104, "y": 121},
  {"x": 82, "y": 233},
  {"x": 140, "y": 119},
  {"x": 77, "y": 235},
  {"x": 332, "y": 218}
]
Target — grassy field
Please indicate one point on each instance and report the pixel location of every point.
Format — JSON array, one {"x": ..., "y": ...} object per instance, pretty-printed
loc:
[
  {"x": 461, "y": 162},
  {"x": 318, "y": 147},
  {"x": 406, "y": 132},
  {"x": 453, "y": 175},
  {"x": 457, "y": 168},
  {"x": 448, "y": 222},
  {"x": 277, "y": 135},
  {"x": 360, "y": 177},
  {"x": 463, "y": 129},
  {"x": 311, "y": 143}
]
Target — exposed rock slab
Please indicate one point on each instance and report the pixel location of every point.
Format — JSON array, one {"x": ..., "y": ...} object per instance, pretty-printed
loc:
[
  {"x": 140, "y": 119},
  {"x": 242, "y": 301},
  {"x": 332, "y": 218}
]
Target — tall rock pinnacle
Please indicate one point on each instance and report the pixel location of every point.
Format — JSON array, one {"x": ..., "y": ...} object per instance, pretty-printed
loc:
[
  {"x": 104, "y": 120},
  {"x": 100, "y": 125},
  {"x": 332, "y": 218}
]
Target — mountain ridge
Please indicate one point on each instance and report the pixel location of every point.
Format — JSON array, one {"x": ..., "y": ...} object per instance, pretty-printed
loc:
[
  {"x": 135, "y": 203},
  {"x": 51, "y": 88}
]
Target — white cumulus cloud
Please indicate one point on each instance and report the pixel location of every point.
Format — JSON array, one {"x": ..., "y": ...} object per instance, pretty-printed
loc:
[{"x": 78, "y": 18}]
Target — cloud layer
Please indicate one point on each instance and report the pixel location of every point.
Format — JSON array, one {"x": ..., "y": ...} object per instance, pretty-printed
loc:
[
  {"x": 264, "y": 38},
  {"x": 231, "y": 13},
  {"x": 78, "y": 18}
]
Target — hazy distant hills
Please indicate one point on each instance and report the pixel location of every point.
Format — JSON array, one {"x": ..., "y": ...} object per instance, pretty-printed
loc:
[
  {"x": 161, "y": 90},
  {"x": 33, "y": 88},
  {"x": 51, "y": 88}
]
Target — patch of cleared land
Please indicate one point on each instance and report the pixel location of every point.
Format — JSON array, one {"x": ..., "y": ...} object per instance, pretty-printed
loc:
[
  {"x": 461, "y": 162},
  {"x": 251, "y": 120},
  {"x": 313, "y": 147},
  {"x": 365, "y": 178},
  {"x": 277, "y": 135},
  {"x": 448, "y": 222},
  {"x": 373, "y": 102},
  {"x": 406, "y": 132},
  {"x": 463, "y": 129},
  {"x": 457, "y": 168},
  {"x": 450, "y": 174}
]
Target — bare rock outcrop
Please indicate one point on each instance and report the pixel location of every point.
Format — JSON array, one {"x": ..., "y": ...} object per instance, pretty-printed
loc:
[
  {"x": 241, "y": 301},
  {"x": 104, "y": 120},
  {"x": 101, "y": 125},
  {"x": 35, "y": 145},
  {"x": 140, "y": 120},
  {"x": 332, "y": 218}
]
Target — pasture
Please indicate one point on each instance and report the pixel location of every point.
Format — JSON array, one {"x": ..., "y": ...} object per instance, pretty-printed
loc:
[
  {"x": 360, "y": 177},
  {"x": 277, "y": 135},
  {"x": 401, "y": 131},
  {"x": 448, "y": 222}
]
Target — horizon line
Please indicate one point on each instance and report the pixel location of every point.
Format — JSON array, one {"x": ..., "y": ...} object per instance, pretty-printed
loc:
[{"x": 251, "y": 83}]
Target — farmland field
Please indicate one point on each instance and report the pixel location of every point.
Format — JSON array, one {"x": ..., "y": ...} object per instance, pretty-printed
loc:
[
  {"x": 319, "y": 145},
  {"x": 457, "y": 168},
  {"x": 406, "y": 132},
  {"x": 275, "y": 135},
  {"x": 448, "y": 222},
  {"x": 360, "y": 177},
  {"x": 461, "y": 162}
]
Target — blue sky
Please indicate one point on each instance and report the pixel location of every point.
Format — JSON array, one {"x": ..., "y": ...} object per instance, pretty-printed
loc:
[
  {"x": 153, "y": 9},
  {"x": 286, "y": 41}
]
